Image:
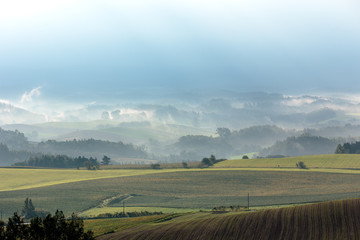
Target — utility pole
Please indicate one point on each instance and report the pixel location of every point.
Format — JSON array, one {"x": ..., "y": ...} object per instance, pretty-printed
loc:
[
  {"x": 124, "y": 208},
  {"x": 248, "y": 201}
]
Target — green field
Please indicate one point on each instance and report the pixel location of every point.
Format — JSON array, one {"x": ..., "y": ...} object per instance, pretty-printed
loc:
[
  {"x": 189, "y": 189},
  {"x": 93, "y": 212},
  {"x": 102, "y": 226},
  {"x": 35, "y": 178},
  {"x": 337, "y": 161},
  {"x": 328, "y": 220},
  {"x": 177, "y": 189}
]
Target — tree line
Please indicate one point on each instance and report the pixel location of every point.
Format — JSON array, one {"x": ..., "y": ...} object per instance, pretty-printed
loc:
[
  {"x": 15, "y": 147},
  {"x": 60, "y": 161},
  {"x": 8, "y": 156},
  {"x": 76, "y": 147},
  {"x": 305, "y": 144},
  {"x": 35, "y": 224},
  {"x": 55, "y": 227},
  {"x": 350, "y": 148}
]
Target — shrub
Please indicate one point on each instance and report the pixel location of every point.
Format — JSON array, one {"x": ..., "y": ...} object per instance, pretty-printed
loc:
[
  {"x": 301, "y": 165},
  {"x": 155, "y": 166}
]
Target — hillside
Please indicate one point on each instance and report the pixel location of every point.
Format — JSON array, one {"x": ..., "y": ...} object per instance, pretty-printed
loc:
[
  {"x": 179, "y": 189},
  {"x": 304, "y": 144},
  {"x": 328, "y": 220},
  {"x": 134, "y": 132},
  {"x": 332, "y": 161}
]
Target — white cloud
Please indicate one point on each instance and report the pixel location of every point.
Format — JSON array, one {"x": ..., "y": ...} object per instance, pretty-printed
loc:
[
  {"x": 28, "y": 96},
  {"x": 3, "y": 101}
]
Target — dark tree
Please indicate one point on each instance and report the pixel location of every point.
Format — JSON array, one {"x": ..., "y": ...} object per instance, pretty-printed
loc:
[
  {"x": 155, "y": 166},
  {"x": 91, "y": 165},
  {"x": 349, "y": 148},
  {"x": 36, "y": 228},
  {"x": 206, "y": 162},
  {"x": 28, "y": 210},
  {"x": 223, "y": 133},
  {"x": 48, "y": 228},
  {"x": 301, "y": 165},
  {"x": 2, "y": 230},
  {"x": 105, "y": 160},
  {"x": 15, "y": 229},
  {"x": 212, "y": 159}
]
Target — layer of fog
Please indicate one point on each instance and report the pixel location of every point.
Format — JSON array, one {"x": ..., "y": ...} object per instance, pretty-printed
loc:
[{"x": 232, "y": 110}]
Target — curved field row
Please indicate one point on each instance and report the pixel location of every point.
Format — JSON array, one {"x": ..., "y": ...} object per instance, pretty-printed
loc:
[
  {"x": 93, "y": 212},
  {"x": 189, "y": 189},
  {"x": 329, "y": 220},
  {"x": 20, "y": 179},
  {"x": 338, "y": 161}
]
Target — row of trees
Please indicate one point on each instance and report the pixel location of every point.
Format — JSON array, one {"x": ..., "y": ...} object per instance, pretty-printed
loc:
[
  {"x": 55, "y": 227},
  {"x": 76, "y": 147},
  {"x": 13, "y": 139},
  {"x": 40, "y": 225},
  {"x": 15, "y": 147},
  {"x": 127, "y": 214},
  {"x": 353, "y": 148},
  {"x": 8, "y": 156},
  {"x": 305, "y": 144},
  {"x": 63, "y": 161}
]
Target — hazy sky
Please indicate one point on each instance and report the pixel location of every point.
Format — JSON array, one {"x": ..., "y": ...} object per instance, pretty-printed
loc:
[{"x": 89, "y": 49}]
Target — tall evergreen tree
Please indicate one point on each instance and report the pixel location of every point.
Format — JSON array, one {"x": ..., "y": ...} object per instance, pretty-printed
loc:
[{"x": 105, "y": 160}]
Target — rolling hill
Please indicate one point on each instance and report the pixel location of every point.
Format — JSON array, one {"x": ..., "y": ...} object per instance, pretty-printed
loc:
[
  {"x": 327, "y": 161},
  {"x": 327, "y": 220}
]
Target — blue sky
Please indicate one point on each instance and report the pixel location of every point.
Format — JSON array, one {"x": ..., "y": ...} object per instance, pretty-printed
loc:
[{"x": 85, "y": 50}]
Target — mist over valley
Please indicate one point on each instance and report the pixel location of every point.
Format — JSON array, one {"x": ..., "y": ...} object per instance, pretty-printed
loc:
[{"x": 183, "y": 119}]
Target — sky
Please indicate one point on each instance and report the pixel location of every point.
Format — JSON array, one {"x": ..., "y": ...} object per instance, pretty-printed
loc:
[{"x": 92, "y": 50}]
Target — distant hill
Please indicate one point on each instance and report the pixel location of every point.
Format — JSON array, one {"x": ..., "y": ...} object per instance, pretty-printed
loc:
[
  {"x": 14, "y": 147},
  {"x": 328, "y": 220},
  {"x": 13, "y": 114},
  {"x": 227, "y": 143},
  {"x": 345, "y": 131},
  {"x": 13, "y": 139},
  {"x": 328, "y": 161},
  {"x": 130, "y": 132},
  {"x": 305, "y": 144},
  {"x": 8, "y": 157},
  {"x": 262, "y": 135}
]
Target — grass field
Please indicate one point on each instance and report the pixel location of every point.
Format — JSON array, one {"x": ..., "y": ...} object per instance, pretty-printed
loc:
[
  {"x": 178, "y": 190},
  {"x": 338, "y": 161},
  {"x": 102, "y": 226},
  {"x": 96, "y": 211},
  {"x": 34, "y": 178},
  {"x": 189, "y": 189},
  {"x": 328, "y": 220}
]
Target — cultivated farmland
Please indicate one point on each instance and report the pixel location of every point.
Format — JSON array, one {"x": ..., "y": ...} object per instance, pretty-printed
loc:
[
  {"x": 331, "y": 161},
  {"x": 82, "y": 191},
  {"x": 329, "y": 220}
]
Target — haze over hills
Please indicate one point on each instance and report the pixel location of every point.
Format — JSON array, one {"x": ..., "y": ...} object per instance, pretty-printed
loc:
[
  {"x": 165, "y": 75},
  {"x": 186, "y": 128},
  {"x": 107, "y": 103},
  {"x": 234, "y": 110}
]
